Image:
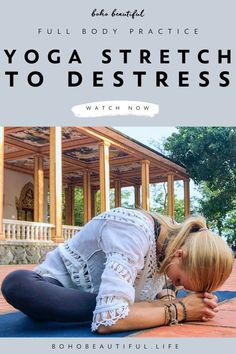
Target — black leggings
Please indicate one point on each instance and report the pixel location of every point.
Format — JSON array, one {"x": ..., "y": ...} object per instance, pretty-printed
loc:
[{"x": 45, "y": 299}]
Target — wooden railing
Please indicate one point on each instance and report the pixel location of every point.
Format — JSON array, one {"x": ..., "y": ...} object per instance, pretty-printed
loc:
[
  {"x": 68, "y": 231},
  {"x": 16, "y": 230}
]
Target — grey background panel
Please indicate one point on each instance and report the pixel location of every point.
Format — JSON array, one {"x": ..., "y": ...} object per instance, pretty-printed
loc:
[{"x": 51, "y": 103}]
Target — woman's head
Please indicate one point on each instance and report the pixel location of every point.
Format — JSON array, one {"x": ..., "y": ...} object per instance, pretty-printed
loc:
[{"x": 197, "y": 258}]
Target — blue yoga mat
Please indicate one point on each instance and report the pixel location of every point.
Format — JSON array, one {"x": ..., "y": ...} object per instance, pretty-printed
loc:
[
  {"x": 221, "y": 295},
  {"x": 17, "y": 324}
]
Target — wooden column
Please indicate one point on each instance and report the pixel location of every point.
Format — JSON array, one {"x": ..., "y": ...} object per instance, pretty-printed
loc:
[
  {"x": 70, "y": 205},
  {"x": 87, "y": 196},
  {"x": 186, "y": 198},
  {"x": 56, "y": 183},
  {"x": 137, "y": 199},
  {"x": 38, "y": 189},
  {"x": 170, "y": 192},
  {"x": 2, "y": 237},
  {"x": 145, "y": 185},
  {"x": 117, "y": 193},
  {"x": 93, "y": 202},
  {"x": 104, "y": 176}
]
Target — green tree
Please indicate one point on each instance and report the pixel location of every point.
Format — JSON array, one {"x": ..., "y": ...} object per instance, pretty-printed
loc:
[
  {"x": 79, "y": 202},
  {"x": 127, "y": 197},
  {"x": 79, "y": 206},
  {"x": 230, "y": 228},
  {"x": 159, "y": 202},
  {"x": 209, "y": 156}
]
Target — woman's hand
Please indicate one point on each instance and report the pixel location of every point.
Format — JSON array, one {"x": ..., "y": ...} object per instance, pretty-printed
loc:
[
  {"x": 199, "y": 306},
  {"x": 211, "y": 301}
]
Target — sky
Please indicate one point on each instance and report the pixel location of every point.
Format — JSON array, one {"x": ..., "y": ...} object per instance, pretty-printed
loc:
[{"x": 144, "y": 134}]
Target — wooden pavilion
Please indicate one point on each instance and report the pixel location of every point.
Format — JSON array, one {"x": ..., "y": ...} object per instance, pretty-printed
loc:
[{"x": 94, "y": 158}]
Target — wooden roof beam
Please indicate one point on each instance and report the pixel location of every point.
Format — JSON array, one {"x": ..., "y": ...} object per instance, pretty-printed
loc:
[
  {"x": 18, "y": 155},
  {"x": 118, "y": 161},
  {"x": 74, "y": 162},
  {"x": 21, "y": 144},
  {"x": 19, "y": 169},
  {"x": 132, "y": 155},
  {"x": 125, "y": 144},
  {"x": 111, "y": 141},
  {"x": 71, "y": 144},
  {"x": 11, "y": 130}
]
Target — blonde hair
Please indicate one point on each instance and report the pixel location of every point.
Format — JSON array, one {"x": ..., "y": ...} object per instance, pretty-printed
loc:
[{"x": 208, "y": 260}]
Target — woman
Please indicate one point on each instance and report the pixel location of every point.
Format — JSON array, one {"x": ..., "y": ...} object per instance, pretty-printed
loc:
[{"x": 119, "y": 272}]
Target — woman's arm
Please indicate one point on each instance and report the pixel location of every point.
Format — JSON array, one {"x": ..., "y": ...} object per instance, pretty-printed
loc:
[
  {"x": 144, "y": 315},
  {"x": 141, "y": 315}
]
